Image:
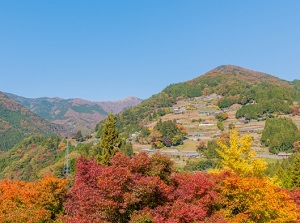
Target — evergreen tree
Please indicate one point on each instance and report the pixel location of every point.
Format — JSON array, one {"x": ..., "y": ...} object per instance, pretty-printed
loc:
[
  {"x": 109, "y": 140},
  {"x": 78, "y": 136},
  {"x": 279, "y": 134},
  {"x": 295, "y": 171},
  {"x": 126, "y": 148}
]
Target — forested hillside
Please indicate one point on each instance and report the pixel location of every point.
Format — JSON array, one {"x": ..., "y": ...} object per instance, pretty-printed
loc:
[
  {"x": 17, "y": 122},
  {"x": 75, "y": 114},
  {"x": 29, "y": 159},
  {"x": 261, "y": 95}
]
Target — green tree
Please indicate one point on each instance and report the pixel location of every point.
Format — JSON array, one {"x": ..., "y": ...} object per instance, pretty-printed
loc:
[
  {"x": 78, "y": 136},
  {"x": 126, "y": 148},
  {"x": 210, "y": 152},
  {"x": 170, "y": 134},
  {"x": 109, "y": 140},
  {"x": 220, "y": 126},
  {"x": 295, "y": 171},
  {"x": 280, "y": 134}
]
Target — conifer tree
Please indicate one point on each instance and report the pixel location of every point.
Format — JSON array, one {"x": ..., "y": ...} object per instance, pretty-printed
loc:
[
  {"x": 126, "y": 147},
  {"x": 109, "y": 140},
  {"x": 295, "y": 171}
]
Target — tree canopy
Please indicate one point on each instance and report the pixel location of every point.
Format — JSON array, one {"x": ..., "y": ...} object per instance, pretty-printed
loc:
[
  {"x": 280, "y": 134},
  {"x": 238, "y": 156}
]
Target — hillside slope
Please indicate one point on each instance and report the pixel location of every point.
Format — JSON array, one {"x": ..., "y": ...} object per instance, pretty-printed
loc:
[
  {"x": 236, "y": 85},
  {"x": 17, "y": 122},
  {"x": 75, "y": 114},
  {"x": 35, "y": 157}
]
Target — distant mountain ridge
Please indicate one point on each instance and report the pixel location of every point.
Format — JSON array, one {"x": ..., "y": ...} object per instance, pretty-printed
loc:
[
  {"x": 75, "y": 114},
  {"x": 18, "y": 122}
]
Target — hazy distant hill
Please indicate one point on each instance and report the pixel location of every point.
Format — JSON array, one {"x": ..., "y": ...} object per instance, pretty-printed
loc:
[
  {"x": 17, "y": 122},
  {"x": 74, "y": 114}
]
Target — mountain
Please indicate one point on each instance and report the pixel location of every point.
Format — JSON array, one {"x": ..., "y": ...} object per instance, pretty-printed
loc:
[
  {"x": 17, "y": 122},
  {"x": 75, "y": 114},
  {"x": 118, "y": 106},
  {"x": 258, "y": 93},
  {"x": 254, "y": 96}
]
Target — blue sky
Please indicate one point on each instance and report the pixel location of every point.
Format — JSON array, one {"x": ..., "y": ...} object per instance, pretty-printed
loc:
[{"x": 108, "y": 49}]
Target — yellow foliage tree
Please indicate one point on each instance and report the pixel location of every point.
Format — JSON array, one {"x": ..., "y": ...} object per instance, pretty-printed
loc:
[{"x": 238, "y": 157}]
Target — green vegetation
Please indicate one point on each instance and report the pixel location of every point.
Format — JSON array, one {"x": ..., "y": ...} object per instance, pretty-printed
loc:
[
  {"x": 280, "y": 134},
  {"x": 126, "y": 148},
  {"x": 296, "y": 84},
  {"x": 109, "y": 140},
  {"x": 200, "y": 165},
  {"x": 220, "y": 125},
  {"x": 221, "y": 117},
  {"x": 170, "y": 133},
  {"x": 286, "y": 171},
  {"x": 211, "y": 150},
  {"x": 269, "y": 100},
  {"x": 260, "y": 94},
  {"x": 88, "y": 109},
  {"x": 44, "y": 105},
  {"x": 34, "y": 157},
  {"x": 16, "y": 123}
]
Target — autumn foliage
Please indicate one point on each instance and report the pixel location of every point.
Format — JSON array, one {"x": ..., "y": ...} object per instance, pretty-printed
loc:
[
  {"x": 145, "y": 189},
  {"x": 30, "y": 202},
  {"x": 238, "y": 156},
  {"x": 136, "y": 189},
  {"x": 250, "y": 199}
]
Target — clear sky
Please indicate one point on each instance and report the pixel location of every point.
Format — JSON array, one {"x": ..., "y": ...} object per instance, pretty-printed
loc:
[{"x": 107, "y": 49}]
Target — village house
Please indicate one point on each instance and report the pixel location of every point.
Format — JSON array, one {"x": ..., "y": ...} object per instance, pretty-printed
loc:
[{"x": 284, "y": 155}]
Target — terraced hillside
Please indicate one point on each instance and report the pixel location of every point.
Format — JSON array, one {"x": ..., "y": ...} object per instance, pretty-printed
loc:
[{"x": 259, "y": 95}]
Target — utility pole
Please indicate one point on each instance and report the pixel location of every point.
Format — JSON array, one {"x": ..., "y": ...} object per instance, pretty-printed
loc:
[{"x": 67, "y": 162}]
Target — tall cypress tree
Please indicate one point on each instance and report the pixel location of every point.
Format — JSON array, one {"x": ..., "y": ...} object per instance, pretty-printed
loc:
[
  {"x": 295, "y": 171},
  {"x": 109, "y": 140}
]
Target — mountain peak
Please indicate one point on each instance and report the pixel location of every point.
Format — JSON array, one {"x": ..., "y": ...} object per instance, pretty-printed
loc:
[
  {"x": 76, "y": 113},
  {"x": 229, "y": 68},
  {"x": 243, "y": 74}
]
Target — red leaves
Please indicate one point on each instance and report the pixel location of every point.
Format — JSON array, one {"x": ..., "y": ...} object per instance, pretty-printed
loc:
[
  {"x": 192, "y": 199},
  {"x": 84, "y": 193},
  {"x": 295, "y": 195},
  {"x": 138, "y": 188}
]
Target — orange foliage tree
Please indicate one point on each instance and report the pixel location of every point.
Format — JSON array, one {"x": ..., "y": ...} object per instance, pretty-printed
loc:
[
  {"x": 22, "y": 201},
  {"x": 249, "y": 199}
]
